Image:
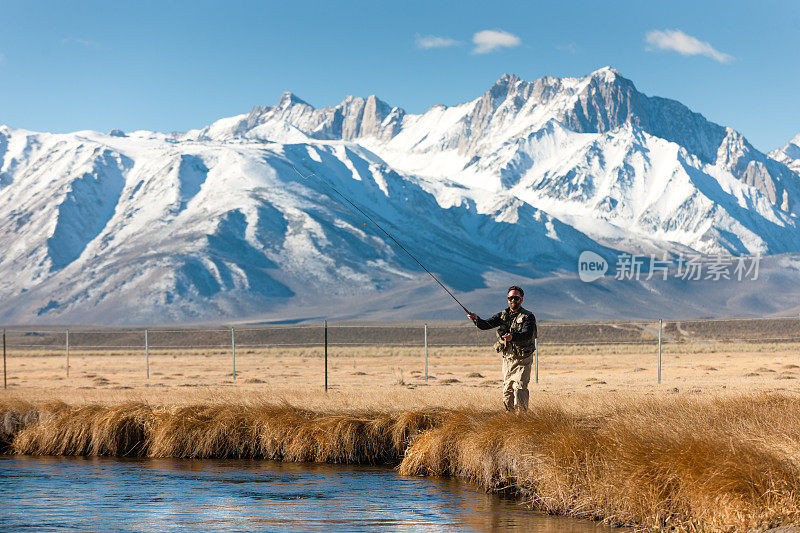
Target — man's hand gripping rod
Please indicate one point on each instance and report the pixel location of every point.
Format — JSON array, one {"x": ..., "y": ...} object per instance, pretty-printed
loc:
[{"x": 346, "y": 199}]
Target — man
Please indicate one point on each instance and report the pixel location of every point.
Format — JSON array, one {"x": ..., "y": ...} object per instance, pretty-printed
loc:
[{"x": 516, "y": 334}]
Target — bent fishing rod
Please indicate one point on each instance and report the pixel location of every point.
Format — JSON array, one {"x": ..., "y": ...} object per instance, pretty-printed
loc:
[{"x": 354, "y": 206}]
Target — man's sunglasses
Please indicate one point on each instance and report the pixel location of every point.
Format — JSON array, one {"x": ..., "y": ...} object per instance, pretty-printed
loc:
[{"x": 514, "y": 298}]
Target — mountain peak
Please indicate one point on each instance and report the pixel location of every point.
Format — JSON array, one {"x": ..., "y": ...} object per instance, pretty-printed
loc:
[
  {"x": 606, "y": 73},
  {"x": 503, "y": 86},
  {"x": 506, "y": 81},
  {"x": 288, "y": 98},
  {"x": 611, "y": 78},
  {"x": 789, "y": 154}
]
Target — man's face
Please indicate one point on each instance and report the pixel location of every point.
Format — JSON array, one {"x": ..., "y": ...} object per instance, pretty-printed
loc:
[{"x": 514, "y": 300}]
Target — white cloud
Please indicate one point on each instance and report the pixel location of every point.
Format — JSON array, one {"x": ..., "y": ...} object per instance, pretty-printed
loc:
[
  {"x": 490, "y": 40},
  {"x": 570, "y": 48},
  {"x": 83, "y": 42},
  {"x": 684, "y": 44},
  {"x": 434, "y": 41}
]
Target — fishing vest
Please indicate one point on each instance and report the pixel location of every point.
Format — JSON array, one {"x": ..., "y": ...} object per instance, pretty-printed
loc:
[{"x": 512, "y": 323}]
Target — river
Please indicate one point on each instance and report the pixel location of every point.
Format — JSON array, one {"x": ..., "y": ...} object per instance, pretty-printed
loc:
[{"x": 111, "y": 494}]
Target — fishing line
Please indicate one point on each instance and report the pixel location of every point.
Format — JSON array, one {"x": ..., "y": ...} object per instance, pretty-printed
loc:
[{"x": 331, "y": 187}]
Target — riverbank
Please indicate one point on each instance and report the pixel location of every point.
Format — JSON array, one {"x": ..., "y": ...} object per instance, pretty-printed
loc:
[{"x": 705, "y": 461}]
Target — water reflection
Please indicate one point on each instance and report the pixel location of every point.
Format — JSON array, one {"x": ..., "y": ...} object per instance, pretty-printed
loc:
[{"x": 57, "y": 493}]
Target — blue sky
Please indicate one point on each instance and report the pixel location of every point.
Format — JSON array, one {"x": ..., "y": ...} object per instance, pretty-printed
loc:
[{"x": 173, "y": 65}]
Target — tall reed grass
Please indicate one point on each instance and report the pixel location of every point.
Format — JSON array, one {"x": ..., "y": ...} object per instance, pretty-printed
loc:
[{"x": 727, "y": 463}]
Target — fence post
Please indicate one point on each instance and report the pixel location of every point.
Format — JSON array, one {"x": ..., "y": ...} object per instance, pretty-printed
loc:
[
  {"x": 325, "y": 327},
  {"x": 146, "y": 354},
  {"x": 426, "y": 352},
  {"x": 233, "y": 352},
  {"x": 536, "y": 357},
  {"x": 5, "y": 384},
  {"x": 67, "y": 353},
  {"x": 659, "y": 351}
]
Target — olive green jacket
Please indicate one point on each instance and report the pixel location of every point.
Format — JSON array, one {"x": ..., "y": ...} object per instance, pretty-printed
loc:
[{"x": 521, "y": 325}]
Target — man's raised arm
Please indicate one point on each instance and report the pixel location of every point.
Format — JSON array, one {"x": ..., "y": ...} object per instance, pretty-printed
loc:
[{"x": 485, "y": 324}]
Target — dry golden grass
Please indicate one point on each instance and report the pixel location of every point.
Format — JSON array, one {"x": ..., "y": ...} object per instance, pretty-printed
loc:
[
  {"x": 684, "y": 463},
  {"x": 692, "y": 462}
]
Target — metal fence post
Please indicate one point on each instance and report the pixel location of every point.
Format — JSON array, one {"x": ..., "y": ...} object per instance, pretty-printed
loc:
[
  {"x": 325, "y": 327},
  {"x": 233, "y": 352},
  {"x": 67, "y": 353},
  {"x": 536, "y": 357},
  {"x": 426, "y": 352},
  {"x": 146, "y": 354},
  {"x": 5, "y": 383},
  {"x": 659, "y": 351}
]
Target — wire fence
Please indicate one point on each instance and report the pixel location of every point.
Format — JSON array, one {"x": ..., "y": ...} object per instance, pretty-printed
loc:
[{"x": 650, "y": 337}]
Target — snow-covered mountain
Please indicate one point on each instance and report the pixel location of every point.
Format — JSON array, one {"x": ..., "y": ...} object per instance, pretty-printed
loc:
[
  {"x": 789, "y": 155},
  {"x": 234, "y": 221},
  {"x": 593, "y": 151}
]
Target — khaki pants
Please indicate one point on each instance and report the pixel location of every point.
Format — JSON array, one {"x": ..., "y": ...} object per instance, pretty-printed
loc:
[{"x": 516, "y": 375}]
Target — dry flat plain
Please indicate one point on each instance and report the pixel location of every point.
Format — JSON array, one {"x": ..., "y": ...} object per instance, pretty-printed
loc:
[
  {"x": 715, "y": 446},
  {"x": 377, "y": 360},
  {"x": 359, "y": 376}
]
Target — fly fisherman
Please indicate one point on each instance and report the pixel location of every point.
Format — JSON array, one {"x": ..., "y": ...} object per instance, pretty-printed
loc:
[{"x": 516, "y": 332}]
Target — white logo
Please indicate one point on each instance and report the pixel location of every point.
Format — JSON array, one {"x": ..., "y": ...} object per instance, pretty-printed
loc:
[{"x": 591, "y": 266}]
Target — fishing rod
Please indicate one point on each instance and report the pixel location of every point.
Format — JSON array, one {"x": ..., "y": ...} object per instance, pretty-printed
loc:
[{"x": 334, "y": 189}]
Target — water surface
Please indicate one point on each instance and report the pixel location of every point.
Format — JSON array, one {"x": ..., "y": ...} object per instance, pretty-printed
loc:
[{"x": 69, "y": 493}]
